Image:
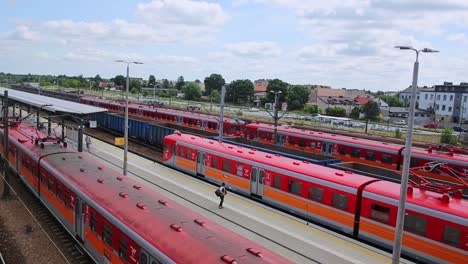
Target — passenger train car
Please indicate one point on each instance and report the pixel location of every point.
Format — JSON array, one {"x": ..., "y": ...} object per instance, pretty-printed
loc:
[
  {"x": 116, "y": 219},
  {"x": 232, "y": 127},
  {"x": 436, "y": 225},
  {"x": 347, "y": 148}
]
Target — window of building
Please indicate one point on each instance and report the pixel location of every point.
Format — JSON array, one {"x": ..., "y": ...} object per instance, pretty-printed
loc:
[
  {"x": 277, "y": 182},
  {"x": 465, "y": 98},
  {"x": 340, "y": 201},
  {"x": 355, "y": 153},
  {"x": 443, "y": 107},
  {"x": 316, "y": 194},
  {"x": 452, "y": 235},
  {"x": 450, "y": 109},
  {"x": 437, "y": 107},
  {"x": 107, "y": 234},
  {"x": 370, "y": 155},
  {"x": 214, "y": 162},
  {"x": 432, "y": 97},
  {"x": 295, "y": 187},
  {"x": 415, "y": 224},
  {"x": 380, "y": 213},
  {"x": 426, "y": 96},
  {"x": 93, "y": 223},
  {"x": 227, "y": 166},
  {"x": 122, "y": 249},
  {"x": 445, "y": 97},
  {"x": 342, "y": 150},
  {"x": 387, "y": 159},
  {"x": 239, "y": 170},
  {"x": 451, "y": 97},
  {"x": 438, "y": 97}
]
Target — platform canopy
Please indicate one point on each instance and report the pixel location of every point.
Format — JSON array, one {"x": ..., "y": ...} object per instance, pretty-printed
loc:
[{"x": 49, "y": 103}]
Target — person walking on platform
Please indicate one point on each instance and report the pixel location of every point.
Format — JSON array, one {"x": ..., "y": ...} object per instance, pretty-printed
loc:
[
  {"x": 221, "y": 192},
  {"x": 88, "y": 142}
]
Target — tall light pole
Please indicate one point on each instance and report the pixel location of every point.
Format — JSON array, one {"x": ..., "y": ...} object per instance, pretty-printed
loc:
[
  {"x": 407, "y": 158},
  {"x": 126, "y": 113},
  {"x": 275, "y": 134}
]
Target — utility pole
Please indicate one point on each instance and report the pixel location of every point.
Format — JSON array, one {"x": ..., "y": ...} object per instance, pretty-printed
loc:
[
  {"x": 221, "y": 114},
  {"x": 275, "y": 134}
]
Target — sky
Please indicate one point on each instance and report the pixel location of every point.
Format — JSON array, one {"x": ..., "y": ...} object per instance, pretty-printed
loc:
[{"x": 338, "y": 43}]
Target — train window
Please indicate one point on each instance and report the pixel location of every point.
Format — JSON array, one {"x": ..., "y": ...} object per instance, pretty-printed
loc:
[
  {"x": 312, "y": 144},
  {"x": 342, "y": 150},
  {"x": 93, "y": 223},
  {"x": 239, "y": 170},
  {"x": 155, "y": 262},
  {"x": 355, "y": 153},
  {"x": 66, "y": 199},
  {"x": 370, "y": 155},
  {"x": 122, "y": 249},
  {"x": 302, "y": 143},
  {"x": 291, "y": 140},
  {"x": 380, "y": 213},
  {"x": 277, "y": 182},
  {"x": 43, "y": 177},
  {"x": 181, "y": 152},
  {"x": 295, "y": 187},
  {"x": 415, "y": 224},
  {"x": 214, "y": 162},
  {"x": 33, "y": 171},
  {"x": 188, "y": 154},
  {"x": 340, "y": 201},
  {"x": 58, "y": 191},
  {"x": 262, "y": 135},
  {"x": 107, "y": 234},
  {"x": 316, "y": 194},
  {"x": 227, "y": 166},
  {"x": 387, "y": 159},
  {"x": 143, "y": 259},
  {"x": 50, "y": 185},
  {"x": 414, "y": 163},
  {"x": 452, "y": 235}
]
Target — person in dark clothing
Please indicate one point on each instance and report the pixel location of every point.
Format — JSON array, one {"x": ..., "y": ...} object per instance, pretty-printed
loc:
[{"x": 222, "y": 193}]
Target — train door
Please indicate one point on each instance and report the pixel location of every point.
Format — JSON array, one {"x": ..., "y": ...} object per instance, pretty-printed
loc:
[
  {"x": 201, "y": 158},
  {"x": 256, "y": 182},
  {"x": 202, "y": 125},
  {"x": 281, "y": 140},
  {"x": 327, "y": 149},
  {"x": 79, "y": 230}
]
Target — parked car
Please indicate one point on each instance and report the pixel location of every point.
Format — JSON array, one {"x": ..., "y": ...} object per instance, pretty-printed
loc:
[
  {"x": 400, "y": 122},
  {"x": 460, "y": 129},
  {"x": 431, "y": 125}
]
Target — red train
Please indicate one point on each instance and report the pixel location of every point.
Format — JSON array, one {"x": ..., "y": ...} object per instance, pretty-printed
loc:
[
  {"x": 115, "y": 219},
  {"x": 346, "y": 148},
  {"x": 232, "y": 127},
  {"x": 436, "y": 225}
]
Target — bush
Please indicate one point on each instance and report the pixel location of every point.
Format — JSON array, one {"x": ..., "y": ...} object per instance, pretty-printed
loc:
[
  {"x": 336, "y": 111},
  {"x": 398, "y": 133},
  {"x": 311, "y": 109},
  {"x": 447, "y": 137}
]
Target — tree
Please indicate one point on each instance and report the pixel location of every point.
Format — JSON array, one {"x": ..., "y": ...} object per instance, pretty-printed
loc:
[
  {"x": 298, "y": 96},
  {"x": 192, "y": 91},
  {"x": 311, "y": 109},
  {"x": 355, "y": 113},
  {"x": 135, "y": 85},
  {"x": 277, "y": 85},
  {"x": 197, "y": 81},
  {"x": 240, "y": 91},
  {"x": 180, "y": 83},
  {"x": 371, "y": 110},
  {"x": 151, "y": 81},
  {"x": 214, "y": 83},
  {"x": 166, "y": 84},
  {"x": 120, "y": 80},
  {"x": 392, "y": 101},
  {"x": 335, "y": 111},
  {"x": 97, "y": 78},
  {"x": 447, "y": 137}
]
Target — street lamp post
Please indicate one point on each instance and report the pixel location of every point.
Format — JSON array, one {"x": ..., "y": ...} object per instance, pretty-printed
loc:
[
  {"x": 407, "y": 158},
  {"x": 275, "y": 134},
  {"x": 126, "y": 114}
]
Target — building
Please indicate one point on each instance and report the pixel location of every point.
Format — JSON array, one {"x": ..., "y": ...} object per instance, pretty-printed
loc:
[
  {"x": 451, "y": 102},
  {"x": 260, "y": 88},
  {"x": 405, "y": 95}
]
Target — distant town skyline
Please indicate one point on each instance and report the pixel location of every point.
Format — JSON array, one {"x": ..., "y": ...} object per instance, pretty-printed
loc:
[{"x": 335, "y": 43}]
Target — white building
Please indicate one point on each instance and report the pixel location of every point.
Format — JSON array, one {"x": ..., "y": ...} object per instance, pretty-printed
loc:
[
  {"x": 451, "y": 102},
  {"x": 426, "y": 99}
]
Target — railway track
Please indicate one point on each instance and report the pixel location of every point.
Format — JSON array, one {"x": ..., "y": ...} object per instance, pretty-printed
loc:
[{"x": 68, "y": 247}]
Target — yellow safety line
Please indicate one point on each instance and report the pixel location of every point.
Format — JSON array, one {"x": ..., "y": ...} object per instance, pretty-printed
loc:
[{"x": 281, "y": 218}]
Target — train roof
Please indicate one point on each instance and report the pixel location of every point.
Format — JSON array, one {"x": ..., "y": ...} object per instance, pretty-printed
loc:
[
  {"x": 422, "y": 199},
  {"x": 166, "y": 225},
  {"x": 359, "y": 142},
  {"x": 167, "y": 111},
  {"x": 305, "y": 168}
]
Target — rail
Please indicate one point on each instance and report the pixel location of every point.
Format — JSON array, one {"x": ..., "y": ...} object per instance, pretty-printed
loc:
[
  {"x": 2, "y": 261},
  {"x": 439, "y": 168}
]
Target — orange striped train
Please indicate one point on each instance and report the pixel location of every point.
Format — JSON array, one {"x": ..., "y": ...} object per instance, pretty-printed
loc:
[
  {"x": 115, "y": 219},
  {"x": 435, "y": 227}
]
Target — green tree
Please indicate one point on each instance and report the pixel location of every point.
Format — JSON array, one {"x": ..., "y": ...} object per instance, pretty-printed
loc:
[
  {"x": 197, "y": 81},
  {"x": 151, "y": 81},
  {"x": 192, "y": 91},
  {"x": 336, "y": 111},
  {"x": 120, "y": 80},
  {"x": 447, "y": 137},
  {"x": 355, "y": 112},
  {"x": 277, "y": 85},
  {"x": 311, "y": 109},
  {"x": 166, "y": 84},
  {"x": 392, "y": 101},
  {"x": 214, "y": 83},
  {"x": 135, "y": 85},
  {"x": 97, "y": 78},
  {"x": 371, "y": 110},
  {"x": 180, "y": 83},
  {"x": 298, "y": 96},
  {"x": 240, "y": 91}
]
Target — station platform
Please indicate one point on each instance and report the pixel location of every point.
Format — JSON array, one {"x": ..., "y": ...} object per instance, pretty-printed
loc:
[{"x": 289, "y": 236}]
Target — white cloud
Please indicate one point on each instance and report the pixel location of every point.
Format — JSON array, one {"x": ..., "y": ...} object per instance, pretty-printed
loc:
[
  {"x": 254, "y": 49},
  {"x": 42, "y": 55},
  {"x": 22, "y": 33}
]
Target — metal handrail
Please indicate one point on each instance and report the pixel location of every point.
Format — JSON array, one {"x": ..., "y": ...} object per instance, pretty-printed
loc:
[{"x": 2, "y": 261}]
